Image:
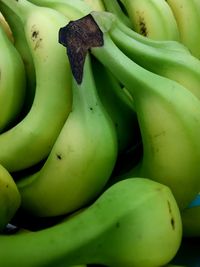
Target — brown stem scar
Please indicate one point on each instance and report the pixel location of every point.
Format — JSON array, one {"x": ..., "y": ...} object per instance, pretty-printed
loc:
[{"x": 78, "y": 37}]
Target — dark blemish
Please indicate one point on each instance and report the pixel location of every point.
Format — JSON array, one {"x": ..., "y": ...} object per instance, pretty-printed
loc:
[
  {"x": 173, "y": 223},
  {"x": 35, "y": 34},
  {"x": 59, "y": 156},
  {"x": 78, "y": 37},
  {"x": 170, "y": 212},
  {"x": 143, "y": 27},
  {"x": 7, "y": 186},
  {"x": 36, "y": 38},
  {"x": 117, "y": 225},
  {"x": 169, "y": 207}
]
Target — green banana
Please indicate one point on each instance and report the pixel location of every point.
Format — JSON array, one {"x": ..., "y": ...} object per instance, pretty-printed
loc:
[
  {"x": 31, "y": 139},
  {"x": 136, "y": 222},
  {"x": 172, "y": 63},
  {"x": 152, "y": 18},
  {"x": 12, "y": 82},
  {"x": 96, "y": 5},
  {"x": 118, "y": 106},
  {"x": 21, "y": 45},
  {"x": 72, "y": 9},
  {"x": 81, "y": 160},
  {"x": 167, "y": 44},
  {"x": 187, "y": 15},
  {"x": 171, "y": 148},
  {"x": 113, "y": 6},
  {"x": 75, "y": 9},
  {"x": 6, "y": 27},
  {"x": 10, "y": 198}
]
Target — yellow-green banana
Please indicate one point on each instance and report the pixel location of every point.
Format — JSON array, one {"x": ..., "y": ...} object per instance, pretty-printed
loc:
[
  {"x": 81, "y": 160},
  {"x": 152, "y": 18},
  {"x": 96, "y": 5},
  {"x": 119, "y": 107},
  {"x": 136, "y": 222},
  {"x": 72, "y": 9},
  {"x": 113, "y": 6},
  {"x": 187, "y": 14},
  {"x": 12, "y": 82},
  {"x": 6, "y": 27},
  {"x": 173, "y": 63},
  {"x": 75, "y": 9},
  {"x": 168, "y": 116},
  {"x": 10, "y": 198},
  {"x": 31, "y": 140},
  {"x": 21, "y": 45}
]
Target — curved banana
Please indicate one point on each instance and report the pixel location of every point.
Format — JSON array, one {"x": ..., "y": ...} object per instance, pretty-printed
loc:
[
  {"x": 152, "y": 18},
  {"x": 10, "y": 198},
  {"x": 72, "y": 9},
  {"x": 31, "y": 139},
  {"x": 170, "y": 129},
  {"x": 96, "y": 5},
  {"x": 119, "y": 107},
  {"x": 81, "y": 160},
  {"x": 4, "y": 24},
  {"x": 75, "y": 9},
  {"x": 187, "y": 14},
  {"x": 113, "y": 6},
  {"x": 174, "y": 63},
  {"x": 21, "y": 45},
  {"x": 12, "y": 82},
  {"x": 106, "y": 232}
]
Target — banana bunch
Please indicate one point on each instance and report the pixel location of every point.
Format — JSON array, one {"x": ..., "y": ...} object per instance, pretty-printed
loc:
[
  {"x": 163, "y": 20},
  {"x": 99, "y": 132}
]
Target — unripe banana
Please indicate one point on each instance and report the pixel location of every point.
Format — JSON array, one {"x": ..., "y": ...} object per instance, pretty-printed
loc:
[
  {"x": 4, "y": 24},
  {"x": 31, "y": 140},
  {"x": 12, "y": 82},
  {"x": 81, "y": 160},
  {"x": 21, "y": 45},
  {"x": 113, "y": 6},
  {"x": 171, "y": 148},
  {"x": 72, "y": 9},
  {"x": 136, "y": 222},
  {"x": 10, "y": 198},
  {"x": 173, "y": 63},
  {"x": 152, "y": 18},
  {"x": 75, "y": 9},
  {"x": 119, "y": 107},
  {"x": 96, "y": 5},
  {"x": 187, "y": 15}
]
